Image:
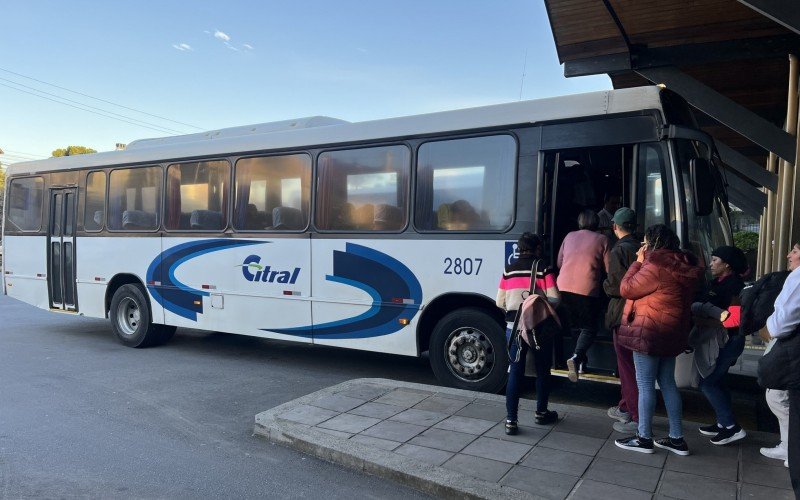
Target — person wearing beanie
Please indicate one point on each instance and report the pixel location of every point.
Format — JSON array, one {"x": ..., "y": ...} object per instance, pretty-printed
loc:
[{"x": 717, "y": 311}]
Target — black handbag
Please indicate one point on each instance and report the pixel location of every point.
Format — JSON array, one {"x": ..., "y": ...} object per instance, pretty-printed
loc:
[{"x": 777, "y": 369}]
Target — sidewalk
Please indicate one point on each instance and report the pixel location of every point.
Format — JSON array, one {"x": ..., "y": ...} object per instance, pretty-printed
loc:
[{"x": 451, "y": 443}]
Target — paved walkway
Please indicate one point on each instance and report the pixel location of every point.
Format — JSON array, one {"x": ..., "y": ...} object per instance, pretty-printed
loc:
[{"x": 451, "y": 443}]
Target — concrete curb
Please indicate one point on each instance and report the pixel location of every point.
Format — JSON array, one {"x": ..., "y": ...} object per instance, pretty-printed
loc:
[{"x": 434, "y": 480}]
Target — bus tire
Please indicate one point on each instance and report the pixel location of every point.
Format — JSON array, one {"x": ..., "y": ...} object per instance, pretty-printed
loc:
[
  {"x": 131, "y": 320},
  {"x": 467, "y": 351}
]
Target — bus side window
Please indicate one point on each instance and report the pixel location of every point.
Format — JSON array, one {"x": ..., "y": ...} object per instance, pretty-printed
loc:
[
  {"x": 197, "y": 196},
  {"x": 273, "y": 193},
  {"x": 134, "y": 199},
  {"x": 359, "y": 188},
  {"x": 94, "y": 213},
  {"x": 25, "y": 200},
  {"x": 466, "y": 184}
]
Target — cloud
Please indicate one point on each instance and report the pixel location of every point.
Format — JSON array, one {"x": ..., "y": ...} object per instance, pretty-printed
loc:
[
  {"x": 362, "y": 50},
  {"x": 247, "y": 46},
  {"x": 222, "y": 36},
  {"x": 182, "y": 47}
]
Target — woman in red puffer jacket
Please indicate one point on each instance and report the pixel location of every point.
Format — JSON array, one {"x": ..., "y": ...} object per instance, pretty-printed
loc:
[{"x": 659, "y": 288}]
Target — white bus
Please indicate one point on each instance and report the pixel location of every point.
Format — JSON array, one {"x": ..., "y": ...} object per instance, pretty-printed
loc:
[{"x": 385, "y": 236}]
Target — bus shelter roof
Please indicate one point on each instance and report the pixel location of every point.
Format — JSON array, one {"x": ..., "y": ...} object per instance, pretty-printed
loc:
[{"x": 728, "y": 58}]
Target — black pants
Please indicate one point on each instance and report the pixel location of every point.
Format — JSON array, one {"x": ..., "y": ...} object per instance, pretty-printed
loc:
[
  {"x": 581, "y": 313},
  {"x": 794, "y": 440},
  {"x": 543, "y": 358}
]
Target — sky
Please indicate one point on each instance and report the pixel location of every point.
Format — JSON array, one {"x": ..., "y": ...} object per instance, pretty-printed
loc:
[{"x": 173, "y": 67}]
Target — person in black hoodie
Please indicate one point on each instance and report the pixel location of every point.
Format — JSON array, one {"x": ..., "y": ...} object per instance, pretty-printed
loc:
[
  {"x": 728, "y": 264},
  {"x": 620, "y": 259}
]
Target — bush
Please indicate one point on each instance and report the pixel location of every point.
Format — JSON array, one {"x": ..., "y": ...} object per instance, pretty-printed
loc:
[{"x": 747, "y": 241}]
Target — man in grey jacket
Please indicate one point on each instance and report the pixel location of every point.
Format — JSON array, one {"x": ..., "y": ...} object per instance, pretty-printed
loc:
[{"x": 620, "y": 259}]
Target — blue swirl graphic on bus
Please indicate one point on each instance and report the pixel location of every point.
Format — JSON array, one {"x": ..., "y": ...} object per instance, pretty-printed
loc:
[
  {"x": 395, "y": 292},
  {"x": 173, "y": 295}
]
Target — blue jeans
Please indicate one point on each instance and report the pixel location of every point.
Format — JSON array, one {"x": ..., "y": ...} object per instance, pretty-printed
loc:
[
  {"x": 516, "y": 373},
  {"x": 714, "y": 386},
  {"x": 650, "y": 369}
]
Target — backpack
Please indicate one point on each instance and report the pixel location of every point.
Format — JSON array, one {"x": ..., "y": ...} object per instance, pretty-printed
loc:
[{"x": 758, "y": 301}]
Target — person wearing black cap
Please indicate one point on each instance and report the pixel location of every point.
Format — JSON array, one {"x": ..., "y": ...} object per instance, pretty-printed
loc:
[{"x": 728, "y": 264}]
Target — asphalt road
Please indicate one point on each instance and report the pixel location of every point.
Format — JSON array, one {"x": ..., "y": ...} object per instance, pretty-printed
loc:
[{"x": 82, "y": 416}]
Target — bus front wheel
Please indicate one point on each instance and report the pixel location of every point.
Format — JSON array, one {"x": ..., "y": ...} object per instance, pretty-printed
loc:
[
  {"x": 467, "y": 351},
  {"x": 130, "y": 319}
]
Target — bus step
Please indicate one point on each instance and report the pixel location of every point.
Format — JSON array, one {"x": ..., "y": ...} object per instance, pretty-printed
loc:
[{"x": 594, "y": 377}]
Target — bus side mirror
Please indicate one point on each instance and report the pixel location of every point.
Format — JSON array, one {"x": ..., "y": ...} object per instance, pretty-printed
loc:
[{"x": 703, "y": 185}]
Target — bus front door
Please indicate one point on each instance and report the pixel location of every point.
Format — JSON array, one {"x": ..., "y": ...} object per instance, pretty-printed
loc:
[{"x": 61, "y": 249}]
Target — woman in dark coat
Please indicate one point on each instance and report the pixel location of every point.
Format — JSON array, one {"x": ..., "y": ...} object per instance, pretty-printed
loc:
[{"x": 659, "y": 288}]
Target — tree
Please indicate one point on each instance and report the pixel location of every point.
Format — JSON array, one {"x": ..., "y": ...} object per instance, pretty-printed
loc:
[{"x": 73, "y": 150}]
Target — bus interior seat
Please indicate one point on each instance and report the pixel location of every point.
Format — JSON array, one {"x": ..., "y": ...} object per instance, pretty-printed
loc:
[
  {"x": 257, "y": 220},
  {"x": 185, "y": 221},
  {"x": 388, "y": 217},
  {"x": 287, "y": 218},
  {"x": 364, "y": 216},
  {"x": 206, "y": 219},
  {"x": 138, "y": 220}
]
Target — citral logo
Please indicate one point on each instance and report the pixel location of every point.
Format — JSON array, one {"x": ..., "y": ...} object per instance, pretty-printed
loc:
[{"x": 264, "y": 273}]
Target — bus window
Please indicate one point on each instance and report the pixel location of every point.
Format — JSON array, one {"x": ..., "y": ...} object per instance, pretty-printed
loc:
[
  {"x": 197, "y": 196},
  {"x": 651, "y": 184},
  {"x": 25, "y": 204},
  {"x": 272, "y": 193},
  {"x": 363, "y": 189},
  {"x": 94, "y": 213},
  {"x": 134, "y": 196},
  {"x": 466, "y": 184}
]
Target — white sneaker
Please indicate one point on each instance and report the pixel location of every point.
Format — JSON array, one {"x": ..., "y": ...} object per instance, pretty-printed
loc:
[
  {"x": 629, "y": 427},
  {"x": 617, "y": 414},
  {"x": 777, "y": 453}
]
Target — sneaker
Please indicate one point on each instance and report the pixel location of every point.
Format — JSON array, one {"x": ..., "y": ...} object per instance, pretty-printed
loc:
[
  {"x": 629, "y": 427},
  {"x": 635, "y": 443},
  {"x": 617, "y": 414},
  {"x": 546, "y": 417},
  {"x": 710, "y": 430},
  {"x": 677, "y": 446},
  {"x": 574, "y": 366},
  {"x": 777, "y": 453},
  {"x": 511, "y": 427},
  {"x": 725, "y": 435}
]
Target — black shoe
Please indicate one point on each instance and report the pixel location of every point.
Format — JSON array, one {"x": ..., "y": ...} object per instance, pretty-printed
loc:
[
  {"x": 677, "y": 446},
  {"x": 710, "y": 430},
  {"x": 635, "y": 443},
  {"x": 511, "y": 427},
  {"x": 546, "y": 417},
  {"x": 725, "y": 435}
]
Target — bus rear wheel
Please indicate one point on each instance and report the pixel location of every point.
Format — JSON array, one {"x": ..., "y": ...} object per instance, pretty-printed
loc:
[
  {"x": 467, "y": 351},
  {"x": 130, "y": 319}
]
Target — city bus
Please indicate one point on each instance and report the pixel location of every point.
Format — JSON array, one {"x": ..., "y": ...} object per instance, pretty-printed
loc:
[{"x": 386, "y": 236}]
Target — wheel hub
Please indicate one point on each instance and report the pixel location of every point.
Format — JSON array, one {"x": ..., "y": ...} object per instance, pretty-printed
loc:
[
  {"x": 128, "y": 316},
  {"x": 470, "y": 354}
]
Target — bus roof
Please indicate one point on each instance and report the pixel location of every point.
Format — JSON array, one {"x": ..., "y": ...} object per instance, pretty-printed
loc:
[{"x": 313, "y": 131}]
